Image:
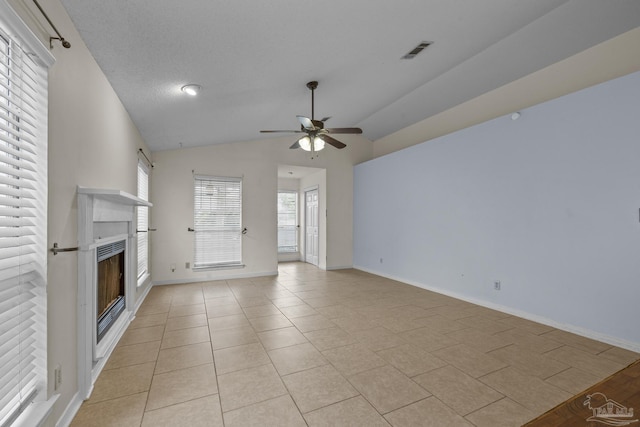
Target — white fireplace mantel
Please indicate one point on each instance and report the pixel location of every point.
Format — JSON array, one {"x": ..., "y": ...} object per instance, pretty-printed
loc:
[
  {"x": 104, "y": 216},
  {"x": 114, "y": 196}
]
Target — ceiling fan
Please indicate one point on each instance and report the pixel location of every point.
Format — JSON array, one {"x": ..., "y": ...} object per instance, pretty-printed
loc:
[{"x": 316, "y": 134}]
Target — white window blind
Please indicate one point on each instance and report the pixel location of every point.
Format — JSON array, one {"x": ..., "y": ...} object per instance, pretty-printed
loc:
[
  {"x": 23, "y": 227},
  {"x": 217, "y": 221},
  {"x": 143, "y": 222},
  {"x": 287, "y": 221}
]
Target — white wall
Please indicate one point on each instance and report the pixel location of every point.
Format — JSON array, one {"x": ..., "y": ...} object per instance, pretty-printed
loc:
[
  {"x": 547, "y": 204},
  {"x": 257, "y": 162},
  {"x": 289, "y": 184}
]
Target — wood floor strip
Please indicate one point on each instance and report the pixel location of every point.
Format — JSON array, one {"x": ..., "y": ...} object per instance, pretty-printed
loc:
[{"x": 615, "y": 401}]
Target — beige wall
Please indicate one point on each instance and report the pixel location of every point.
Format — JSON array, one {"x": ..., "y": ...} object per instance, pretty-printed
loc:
[
  {"x": 92, "y": 143},
  {"x": 257, "y": 163}
]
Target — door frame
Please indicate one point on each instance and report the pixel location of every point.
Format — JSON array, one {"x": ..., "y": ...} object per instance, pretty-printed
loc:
[{"x": 315, "y": 188}]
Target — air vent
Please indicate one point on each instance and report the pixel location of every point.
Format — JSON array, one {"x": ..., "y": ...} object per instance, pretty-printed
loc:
[
  {"x": 416, "y": 50},
  {"x": 111, "y": 249}
]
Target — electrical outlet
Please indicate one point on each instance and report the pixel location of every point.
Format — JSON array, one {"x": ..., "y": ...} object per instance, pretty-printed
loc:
[
  {"x": 57, "y": 377},
  {"x": 173, "y": 268},
  {"x": 187, "y": 265},
  {"x": 496, "y": 285}
]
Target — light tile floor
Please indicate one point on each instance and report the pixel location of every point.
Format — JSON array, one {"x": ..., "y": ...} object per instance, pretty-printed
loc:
[{"x": 318, "y": 348}]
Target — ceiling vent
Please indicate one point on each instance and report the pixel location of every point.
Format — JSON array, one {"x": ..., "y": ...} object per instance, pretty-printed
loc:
[{"x": 416, "y": 50}]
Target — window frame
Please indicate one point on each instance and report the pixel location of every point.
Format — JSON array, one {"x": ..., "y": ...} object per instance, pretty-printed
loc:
[
  {"x": 142, "y": 227},
  {"x": 214, "y": 216},
  {"x": 32, "y": 405}
]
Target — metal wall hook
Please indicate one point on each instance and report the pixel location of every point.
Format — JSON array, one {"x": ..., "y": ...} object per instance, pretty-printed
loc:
[
  {"x": 147, "y": 230},
  {"x": 55, "y": 249}
]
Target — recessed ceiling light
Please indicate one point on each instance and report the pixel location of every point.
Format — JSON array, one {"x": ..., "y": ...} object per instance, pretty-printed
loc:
[{"x": 191, "y": 89}]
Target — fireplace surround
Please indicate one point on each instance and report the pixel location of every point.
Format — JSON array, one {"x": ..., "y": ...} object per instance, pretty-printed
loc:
[
  {"x": 110, "y": 292},
  {"x": 106, "y": 242}
]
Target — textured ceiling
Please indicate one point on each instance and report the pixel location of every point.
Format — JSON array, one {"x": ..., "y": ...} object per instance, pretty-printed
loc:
[{"x": 253, "y": 58}]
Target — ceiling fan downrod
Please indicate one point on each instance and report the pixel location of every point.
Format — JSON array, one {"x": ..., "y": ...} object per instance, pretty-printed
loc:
[{"x": 312, "y": 85}]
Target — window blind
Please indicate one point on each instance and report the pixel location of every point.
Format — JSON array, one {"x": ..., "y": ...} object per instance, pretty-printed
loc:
[
  {"x": 217, "y": 222},
  {"x": 143, "y": 221},
  {"x": 287, "y": 221},
  {"x": 23, "y": 227}
]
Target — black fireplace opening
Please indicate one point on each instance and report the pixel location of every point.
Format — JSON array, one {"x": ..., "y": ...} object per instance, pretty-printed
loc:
[{"x": 110, "y": 295}]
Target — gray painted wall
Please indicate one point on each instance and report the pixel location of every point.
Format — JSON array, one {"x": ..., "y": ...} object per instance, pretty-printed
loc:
[{"x": 547, "y": 204}]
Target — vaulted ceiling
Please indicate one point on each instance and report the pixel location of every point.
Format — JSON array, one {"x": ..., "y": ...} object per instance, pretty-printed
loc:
[{"x": 253, "y": 58}]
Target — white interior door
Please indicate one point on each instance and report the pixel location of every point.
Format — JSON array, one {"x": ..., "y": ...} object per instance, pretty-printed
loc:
[{"x": 311, "y": 223}]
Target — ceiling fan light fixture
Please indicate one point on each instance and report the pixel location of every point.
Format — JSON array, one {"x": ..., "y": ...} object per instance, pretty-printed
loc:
[
  {"x": 317, "y": 136},
  {"x": 318, "y": 143},
  {"x": 305, "y": 143},
  {"x": 191, "y": 89}
]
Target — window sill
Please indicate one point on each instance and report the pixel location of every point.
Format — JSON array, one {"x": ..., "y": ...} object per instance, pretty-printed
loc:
[
  {"x": 36, "y": 414},
  {"x": 219, "y": 267}
]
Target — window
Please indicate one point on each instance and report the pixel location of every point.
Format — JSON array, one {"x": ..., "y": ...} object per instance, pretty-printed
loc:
[
  {"x": 143, "y": 223},
  {"x": 287, "y": 221},
  {"x": 217, "y": 222},
  {"x": 23, "y": 221}
]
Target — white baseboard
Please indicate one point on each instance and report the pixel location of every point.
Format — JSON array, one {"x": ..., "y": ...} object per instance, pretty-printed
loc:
[
  {"x": 144, "y": 294},
  {"x": 70, "y": 411},
  {"x": 339, "y": 267},
  {"x": 226, "y": 277},
  {"x": 587, "y": 333}
]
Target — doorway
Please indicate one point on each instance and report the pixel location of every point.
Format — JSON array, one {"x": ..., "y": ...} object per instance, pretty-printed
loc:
[
  {"x": 302, "y": 180},
  {"x": 312, "y": 241}
]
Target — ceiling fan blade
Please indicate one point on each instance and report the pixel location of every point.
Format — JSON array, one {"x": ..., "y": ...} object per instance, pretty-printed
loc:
[
  {"x": 306, "y": 123},
  {"x": 334, "y": 142},
  {"x": 344, "y": 130},
  {"x": 281, "y": 131},
  {"x": 295, "y": 145},
  {"x": 325, "y": 119}
]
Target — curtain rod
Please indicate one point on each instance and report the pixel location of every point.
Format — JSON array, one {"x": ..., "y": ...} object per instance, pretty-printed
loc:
[
  {"x": 145, "y": 156},
  {"x": 65, "y": 43}
]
